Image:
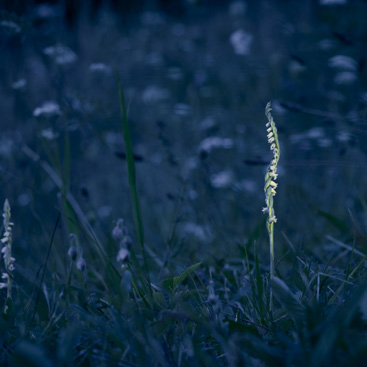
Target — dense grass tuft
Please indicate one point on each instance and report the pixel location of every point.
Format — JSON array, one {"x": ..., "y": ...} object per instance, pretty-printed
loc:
[
  {"x": 204, "y": 315},
  {"x": 138, "y": 238}
]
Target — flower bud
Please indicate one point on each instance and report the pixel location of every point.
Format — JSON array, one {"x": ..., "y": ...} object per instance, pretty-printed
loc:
[
  {"x": 72, "y": 253},
  {"x": 212, "y": 298},
  {"x": 81, "y": 264},
  {"x": 119, "y": 230},
  {"x": 123, "y": 255},
  {"x": 117, "y": 233},
  {"x": 127, "y": 242}
]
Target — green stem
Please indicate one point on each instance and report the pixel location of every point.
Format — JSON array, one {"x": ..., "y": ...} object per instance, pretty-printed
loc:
[
  {"x": 10, "y": 283},
  {"x": 271, "y": 241}
]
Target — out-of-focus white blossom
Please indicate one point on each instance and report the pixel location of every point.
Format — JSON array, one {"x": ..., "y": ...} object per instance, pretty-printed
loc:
[
  {"x": 19, "y": 84},
  {"x": 182, "y": 109},
  {"x": 199, "y": 232},
  {"x": 10, "y": 27},
  {"x": 60, "y": 54},
  {"x": 99, "y": 68},
  {"x": 345, "y": 78},
  {"x": 222, "y": 180},
  {"x": 154, "y": 94},
  {"x": 342, "y": 62},
  {"x": 49, "y": 134},
  {"x": 47, "y": 109},
  {"x": 241, "y": 42},
  {"x": 215, "y": 142}
]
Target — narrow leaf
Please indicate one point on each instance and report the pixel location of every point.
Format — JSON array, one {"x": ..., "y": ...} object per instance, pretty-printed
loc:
[
  {"x": 289, "y": 301},
  {"x": 172, "y": 283}
]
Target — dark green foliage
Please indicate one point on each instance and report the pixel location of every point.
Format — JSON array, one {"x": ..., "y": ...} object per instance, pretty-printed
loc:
[{"x": 28, "y": 354}]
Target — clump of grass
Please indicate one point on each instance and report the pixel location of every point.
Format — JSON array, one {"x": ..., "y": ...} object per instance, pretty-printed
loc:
[
  {"x": 7, "y": 242},
  {"x": 271, "y": 185}
]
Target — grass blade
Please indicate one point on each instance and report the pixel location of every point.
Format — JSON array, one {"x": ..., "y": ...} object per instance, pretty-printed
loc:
[
  {"x": 172, "y": 283},
  {"x": 132, "y": 182},
  {"x": 260, "y": 287},
  {"x": 131, "y": 168},
  {"x": 336, "y": 326},
  {"x": 289, "y": 301}
]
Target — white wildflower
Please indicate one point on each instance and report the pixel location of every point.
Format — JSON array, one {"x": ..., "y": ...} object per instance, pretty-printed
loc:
[
  {"x": 345, "y": 78},
  {"x": 19, "y": 84},
  {"x": 10, "y": 27},
  {"x": 270, "y": 186},
  {"x": 215, "y": 142},
  {"x": 60, "y": 54},
  {"x": 272, "y": 219},
  {"x": 48, "y": 109},
  {"x": 100, "y": 67},
  {"x": 182, "y": 109},
  {"x": 201, "y": 233},
  {"x": 241, "y": 42},
  {"x": 48, "y": 134},
  {"x": 342, "y": 62},
  {"x": 222, "y": 179},
  {"x": 154, "y": 94},
  {"x": 6, "y": 251}
]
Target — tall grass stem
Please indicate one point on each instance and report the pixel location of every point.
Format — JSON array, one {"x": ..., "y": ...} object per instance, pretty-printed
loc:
[{"x": 132, "y": 181}]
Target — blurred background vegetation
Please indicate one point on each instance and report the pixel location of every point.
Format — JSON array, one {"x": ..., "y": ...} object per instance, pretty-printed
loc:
[{"x": 196, "y": 77}]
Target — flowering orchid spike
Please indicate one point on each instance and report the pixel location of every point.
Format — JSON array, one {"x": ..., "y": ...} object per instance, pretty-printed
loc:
[
  {"x": 270, "y": 186},
  {"x": 7, "y": 241}
]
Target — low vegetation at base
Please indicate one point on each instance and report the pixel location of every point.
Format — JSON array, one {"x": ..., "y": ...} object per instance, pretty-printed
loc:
[{"x": 134, "y": 311}]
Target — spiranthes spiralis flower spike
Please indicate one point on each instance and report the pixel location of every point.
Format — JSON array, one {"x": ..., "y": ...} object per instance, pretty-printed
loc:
[
  {"x": 270, "y": 186},
  {"x": 7, "y": 241}
]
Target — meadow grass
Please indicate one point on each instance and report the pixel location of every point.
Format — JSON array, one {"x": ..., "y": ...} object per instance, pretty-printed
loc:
[
  {"x": 139, "y": 240},
  {"x": 120, "y": 311}
]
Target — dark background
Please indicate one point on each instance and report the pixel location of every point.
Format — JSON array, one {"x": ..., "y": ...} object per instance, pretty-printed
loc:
[{"x": 185, "y": 82}]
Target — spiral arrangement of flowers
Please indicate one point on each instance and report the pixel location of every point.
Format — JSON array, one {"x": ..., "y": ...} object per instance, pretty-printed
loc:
[
  {"x": 270, "y": 184},
  {"x": 6, "y": 242}
]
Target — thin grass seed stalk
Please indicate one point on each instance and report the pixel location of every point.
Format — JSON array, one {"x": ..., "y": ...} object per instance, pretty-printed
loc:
[{"x": 271, "y": 185}]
